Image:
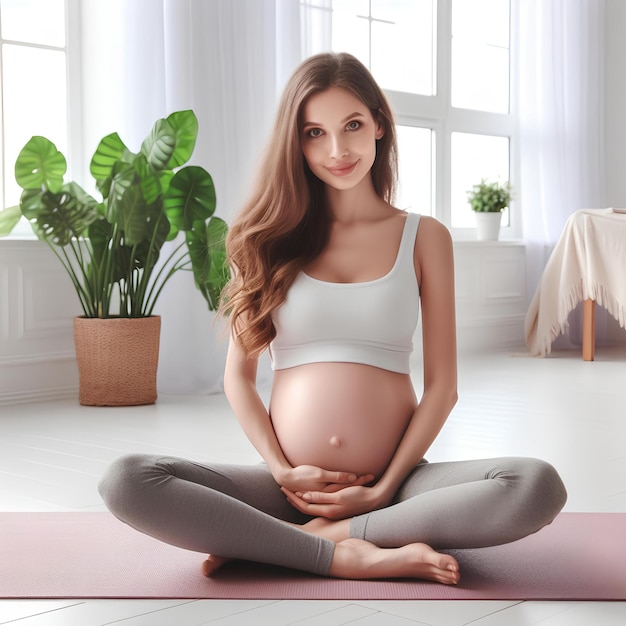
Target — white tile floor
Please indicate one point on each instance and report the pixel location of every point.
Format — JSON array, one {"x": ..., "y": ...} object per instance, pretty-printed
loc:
[{"x": 562, "y": 409}]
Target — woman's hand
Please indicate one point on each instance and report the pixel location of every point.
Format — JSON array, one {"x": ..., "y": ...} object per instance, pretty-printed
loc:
[
  {"x": 338, "y": 504},
  {"x": 308, "y": 478}
]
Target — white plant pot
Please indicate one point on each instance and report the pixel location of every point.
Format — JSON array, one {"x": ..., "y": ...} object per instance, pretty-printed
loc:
[{"x": 488, "y": 226}]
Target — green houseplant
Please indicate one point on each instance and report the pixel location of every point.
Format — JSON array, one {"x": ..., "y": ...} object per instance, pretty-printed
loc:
[
  {"x": 488, "y": 200},
  {"x": 111, "y": 248}
]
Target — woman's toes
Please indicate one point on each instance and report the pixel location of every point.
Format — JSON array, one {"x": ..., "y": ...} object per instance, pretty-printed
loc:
[{"x": 212, "y": 564}]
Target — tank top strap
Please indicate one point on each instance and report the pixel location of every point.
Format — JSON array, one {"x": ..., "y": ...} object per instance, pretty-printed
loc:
[{"x": 407, "y": 242}]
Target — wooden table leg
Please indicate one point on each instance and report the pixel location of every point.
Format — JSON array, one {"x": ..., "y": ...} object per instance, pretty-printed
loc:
[{"x": 589, "y": 330}]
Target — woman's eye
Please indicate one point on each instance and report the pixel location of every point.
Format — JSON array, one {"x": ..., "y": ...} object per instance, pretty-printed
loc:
[
  {"x": 315, "y": 132},
  {"x": 353, "y": 125}
]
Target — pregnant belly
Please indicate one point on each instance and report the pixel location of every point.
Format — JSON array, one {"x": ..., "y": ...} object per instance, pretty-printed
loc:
[{"x": 341, "y": 416}]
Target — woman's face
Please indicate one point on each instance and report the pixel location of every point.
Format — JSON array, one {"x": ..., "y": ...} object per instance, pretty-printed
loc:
[{"x": 339, "y": 138}]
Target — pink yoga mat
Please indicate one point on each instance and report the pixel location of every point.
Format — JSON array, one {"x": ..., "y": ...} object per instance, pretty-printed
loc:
[{"x": 580, "y": 556}]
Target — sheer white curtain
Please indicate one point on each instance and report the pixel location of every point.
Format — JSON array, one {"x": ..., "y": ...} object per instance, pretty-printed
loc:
[
  {"x": 226, "y": 60},
  {"x": 561, "y": 118}
]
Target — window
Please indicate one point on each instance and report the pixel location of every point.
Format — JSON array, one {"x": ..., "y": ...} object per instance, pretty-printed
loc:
[
  {"x": 34, "y": 82},
  {"x": 475, "y": 157},
  {"x": 379, "y": 32},
  {"x": 445, "y": 66}
]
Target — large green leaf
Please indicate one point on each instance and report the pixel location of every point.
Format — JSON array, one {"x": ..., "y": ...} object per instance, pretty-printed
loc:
[
  {"x": 190, "y": 197},
  {"x": 158, "y": 147},
  {"x": 59, "y": 217},
  {"x": 147, "y": 252},
  {"x": 100, "y": 235},
  {"x": 110, "y": 150},
  {"x": 9, "y": 217},
  {"x": 149, "y": 181},
  {"x": 39, "y": 164},
  {"x": 134, "y": 203},
  {"x": 123, "y": 177},
  {"x": 132, "y": 216},
  {"x": 171, "y": 141},
  {"x": 117, "y": 257},
  {"x": 185, "y": 125},
  {"x": 207, "y": 250}
]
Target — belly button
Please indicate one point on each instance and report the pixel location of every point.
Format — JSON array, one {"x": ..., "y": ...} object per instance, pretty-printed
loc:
[{"x": 335, "y": 442}]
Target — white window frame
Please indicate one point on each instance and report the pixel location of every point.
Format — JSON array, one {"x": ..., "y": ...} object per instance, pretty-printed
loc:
[
  {"x": 74, "y": 114},
  {"x": 437, "y": 114},
  {"x": 74, "y": 85}
]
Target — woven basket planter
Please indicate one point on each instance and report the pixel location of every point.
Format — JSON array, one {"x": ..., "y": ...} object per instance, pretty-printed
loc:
[{"x": 117, "y": 360}]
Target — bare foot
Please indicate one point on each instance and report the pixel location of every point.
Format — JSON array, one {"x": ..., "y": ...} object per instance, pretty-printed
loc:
[
  {"x": 356, "y": 558},
  {"x": 213, "y": 563}
]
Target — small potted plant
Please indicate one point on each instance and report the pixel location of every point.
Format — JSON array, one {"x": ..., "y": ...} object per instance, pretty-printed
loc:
[
  {"x": 488, "y": 200},
  {"x": 111, "y": 248}
]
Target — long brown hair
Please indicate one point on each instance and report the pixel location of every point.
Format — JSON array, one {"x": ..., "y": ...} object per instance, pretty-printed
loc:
[{"x": 286, "y": 222}]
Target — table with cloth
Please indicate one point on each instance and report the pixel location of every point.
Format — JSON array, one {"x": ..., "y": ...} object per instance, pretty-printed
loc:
[{"x": 587, "y": 265}]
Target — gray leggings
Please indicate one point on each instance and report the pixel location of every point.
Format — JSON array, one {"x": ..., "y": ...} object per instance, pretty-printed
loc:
[{"x": 236, "y": 510}]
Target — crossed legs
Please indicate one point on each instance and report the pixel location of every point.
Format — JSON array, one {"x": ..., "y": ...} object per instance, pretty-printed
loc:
[{"x": 239, "y": 512}]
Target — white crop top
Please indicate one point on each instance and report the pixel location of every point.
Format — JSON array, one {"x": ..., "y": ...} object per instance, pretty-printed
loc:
[{"x": 369, "y": 322}]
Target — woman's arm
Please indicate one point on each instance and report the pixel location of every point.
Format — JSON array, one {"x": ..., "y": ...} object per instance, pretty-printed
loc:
[
  {"x": 434, "y": 262},
  {"x": 240, "y": 388}
]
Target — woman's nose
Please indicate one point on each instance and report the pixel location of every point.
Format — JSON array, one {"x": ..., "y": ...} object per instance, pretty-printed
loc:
[{"x": 338, "y": 147}]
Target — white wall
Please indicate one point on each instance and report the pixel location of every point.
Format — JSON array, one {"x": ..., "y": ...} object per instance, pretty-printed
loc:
[
  {"x": 491, "y": 294},
  {"x": 37, "y": 304}
]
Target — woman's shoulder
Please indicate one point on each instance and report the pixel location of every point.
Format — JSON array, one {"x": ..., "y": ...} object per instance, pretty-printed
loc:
[
  {"x": 433, "y": 241},
  {"x": 432, "y": 227}
]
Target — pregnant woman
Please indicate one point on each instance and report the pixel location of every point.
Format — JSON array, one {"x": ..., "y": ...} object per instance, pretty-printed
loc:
[{"x": 329, "y": 276}]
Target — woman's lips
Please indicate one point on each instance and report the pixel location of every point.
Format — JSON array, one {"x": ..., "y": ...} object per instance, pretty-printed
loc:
[{"x": 343, "y": 170}]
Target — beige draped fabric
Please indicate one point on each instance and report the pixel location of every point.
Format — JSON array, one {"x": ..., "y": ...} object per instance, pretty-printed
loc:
[{"x": 588, "y": 262}]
